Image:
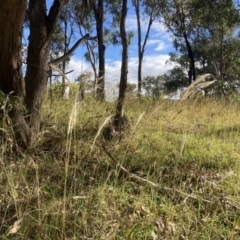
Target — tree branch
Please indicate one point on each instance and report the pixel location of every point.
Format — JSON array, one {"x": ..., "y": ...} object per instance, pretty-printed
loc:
[
  {"x": 55, "y": 68},
  {"x": 53, "y": 15},
  {"x": 150, "y": 22},
  {"x": 74, "y": 47}
]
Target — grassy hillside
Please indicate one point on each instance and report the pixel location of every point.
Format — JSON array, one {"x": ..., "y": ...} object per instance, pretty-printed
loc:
[{"x": 175, "y": 174}]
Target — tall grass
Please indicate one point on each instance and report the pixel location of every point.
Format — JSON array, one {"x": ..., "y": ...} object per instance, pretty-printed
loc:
[{"x": 173, "y": 175}]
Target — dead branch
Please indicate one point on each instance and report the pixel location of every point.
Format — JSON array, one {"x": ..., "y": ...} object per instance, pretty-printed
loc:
[
  {"x": 160, "y": 189},
  {"x": 56, "y": 75},
  {"x": 55, "y": 68}
]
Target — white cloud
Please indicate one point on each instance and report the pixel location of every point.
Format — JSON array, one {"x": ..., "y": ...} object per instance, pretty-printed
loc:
[
  {"x": 78, "y": 66},
  {"x": 153, "y": 41},
  {"x": 157, "y": 27},
  {"x": 113, "y": 71},
  {"x": 160, "y": 44},
  {"x": 131, "y": 23},
  {"x": 153, "y": 65}
]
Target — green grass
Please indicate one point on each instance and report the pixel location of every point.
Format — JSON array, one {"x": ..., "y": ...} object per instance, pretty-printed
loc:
[{"x": 71, "y": 186}]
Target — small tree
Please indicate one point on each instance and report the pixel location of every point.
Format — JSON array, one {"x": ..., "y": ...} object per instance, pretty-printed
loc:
[
  {"x": 154, "y": 86},
  {"x": 152, "y": 9},
  {"x": 119, "y": 116}
]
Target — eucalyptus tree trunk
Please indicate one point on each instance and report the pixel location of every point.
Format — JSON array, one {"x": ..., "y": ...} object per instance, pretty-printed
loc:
[
  {"x": 31, "y": 94},
  {"x": 119, "y": 117},
  {"x": 192, "y": 71},
  {"x": 140, "y": 53},
  {"x": 142, "y": 46},
  {"x": 99, "y": 14},
  {"x": 12, "y": 14},
  {"x": 42, "y": 26},
  {"x": 64, "y": 52}
]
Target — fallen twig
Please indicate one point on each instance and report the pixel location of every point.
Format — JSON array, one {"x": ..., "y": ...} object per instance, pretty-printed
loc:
[{"x": 155, "y": 185}]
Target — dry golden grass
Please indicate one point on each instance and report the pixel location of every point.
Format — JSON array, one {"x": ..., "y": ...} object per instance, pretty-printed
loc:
[{"x": 174, "y": 175}]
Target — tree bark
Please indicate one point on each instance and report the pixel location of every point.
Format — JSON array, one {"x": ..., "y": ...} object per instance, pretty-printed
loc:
[
  {"x": 141, "y": 47},
  {"x": 41, "y": 31},
  {"x": 12, "y": 14},
  {"x": 66, "y": 43},
  {"x": 98, "y": 12},
  {"x": 72, "y": 49},
  {"x": 140, "y": 55},
  {"x": 92, "y": 60},
  {"x": 192, "y": 71},
  {"x": 178, "y": 23},
  {"x": 119, "y": 117}
]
